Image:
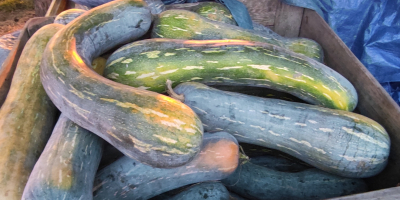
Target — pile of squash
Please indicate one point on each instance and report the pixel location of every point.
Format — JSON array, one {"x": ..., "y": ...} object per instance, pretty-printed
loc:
[{"x": 197, "y": 55}]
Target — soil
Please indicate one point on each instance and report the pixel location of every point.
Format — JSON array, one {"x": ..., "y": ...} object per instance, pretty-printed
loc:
[{"x": 15, "y": 20}]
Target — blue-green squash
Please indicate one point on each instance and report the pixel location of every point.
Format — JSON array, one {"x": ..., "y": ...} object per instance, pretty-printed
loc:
[
  {"x": 261, "y": 183},
  {"x": 147, "y": 126},
  {"x": 67, "y": 166},
  {"x": 336, "y": 141},
  {"x": 129, "y": 179},
  {"x": 156, "y": 6}
]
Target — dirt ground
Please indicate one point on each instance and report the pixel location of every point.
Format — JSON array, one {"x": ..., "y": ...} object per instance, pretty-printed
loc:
[{"x": 15, "y": 20}]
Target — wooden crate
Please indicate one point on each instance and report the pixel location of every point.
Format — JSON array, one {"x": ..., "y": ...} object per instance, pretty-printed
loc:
[{"x": 374, "y": 101}]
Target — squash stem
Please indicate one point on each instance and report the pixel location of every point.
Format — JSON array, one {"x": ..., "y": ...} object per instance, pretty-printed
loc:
[
  {"x": 243, "y": 158},
  {"x": 172, "y": 94}
]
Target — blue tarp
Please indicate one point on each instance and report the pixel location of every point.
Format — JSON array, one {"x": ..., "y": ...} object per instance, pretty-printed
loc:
[{"x": 371, "y": 30}]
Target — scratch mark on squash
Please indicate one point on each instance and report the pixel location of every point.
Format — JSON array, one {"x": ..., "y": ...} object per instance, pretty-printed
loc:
[{"x": 165, "y": 139}]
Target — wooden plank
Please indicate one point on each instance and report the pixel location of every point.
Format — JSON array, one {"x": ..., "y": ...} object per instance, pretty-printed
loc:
[
  {"x": 288, "y": 20},
  {"x": 374, "y": 102},
  {"x": 56, "y": 7},
  {"x": 262, "y": 11},
  {"x": 8, "y": 69},
  {"x": 390, "y": 193},
  {"x": 70, "y": 5}
]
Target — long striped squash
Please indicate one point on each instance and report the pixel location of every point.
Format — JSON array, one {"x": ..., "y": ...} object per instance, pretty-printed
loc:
[
  {"x": 129, "y": 179},
  {"x": 67, "y": 166},
  {"x": 183, "y": 24},
  {"x": 336, "y": 141},
  {"x": 27, "y": 117},
  {"x": 147, "y": 126},
  {"x": 218, "y": 12},
  {"x": 147, "y": 64}
]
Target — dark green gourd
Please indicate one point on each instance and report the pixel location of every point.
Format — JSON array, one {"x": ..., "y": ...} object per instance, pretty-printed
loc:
[{"x": 147, "y": 64}]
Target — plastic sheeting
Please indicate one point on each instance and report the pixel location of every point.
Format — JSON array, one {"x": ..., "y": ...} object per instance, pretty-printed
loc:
[
  {"x": 371, "y": 30},
  {"x": 6, "y": 44}
]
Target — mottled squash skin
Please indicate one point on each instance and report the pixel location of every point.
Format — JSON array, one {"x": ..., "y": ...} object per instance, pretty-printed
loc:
[
  {"x": 67, "y": 166},
  {"x": 128, "y": 179},
  {"x": 27, "y": 117},
  {"x": 147, "y": 126},
  {"x": 210, "y": 10},
  {"x": 340, "y": 142},
  {"x": 147, "y": 64}
]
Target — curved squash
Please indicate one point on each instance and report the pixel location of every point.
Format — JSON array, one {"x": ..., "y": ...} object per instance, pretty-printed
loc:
[
  {"x": 67, "y": 166},
  {"x": 147, "y": 126},
  {"x": 27, "y": 117},
  {"x": 130, "y": 179},
  {"x": 183, "y": 24},
  {"x": 340, "y": 142},
  {"x": 148, "y": 64},
  {"x": 67, "y": 16}
]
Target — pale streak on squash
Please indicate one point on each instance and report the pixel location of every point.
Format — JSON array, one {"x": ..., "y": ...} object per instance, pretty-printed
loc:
[{"x": 25, "y": 124}]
